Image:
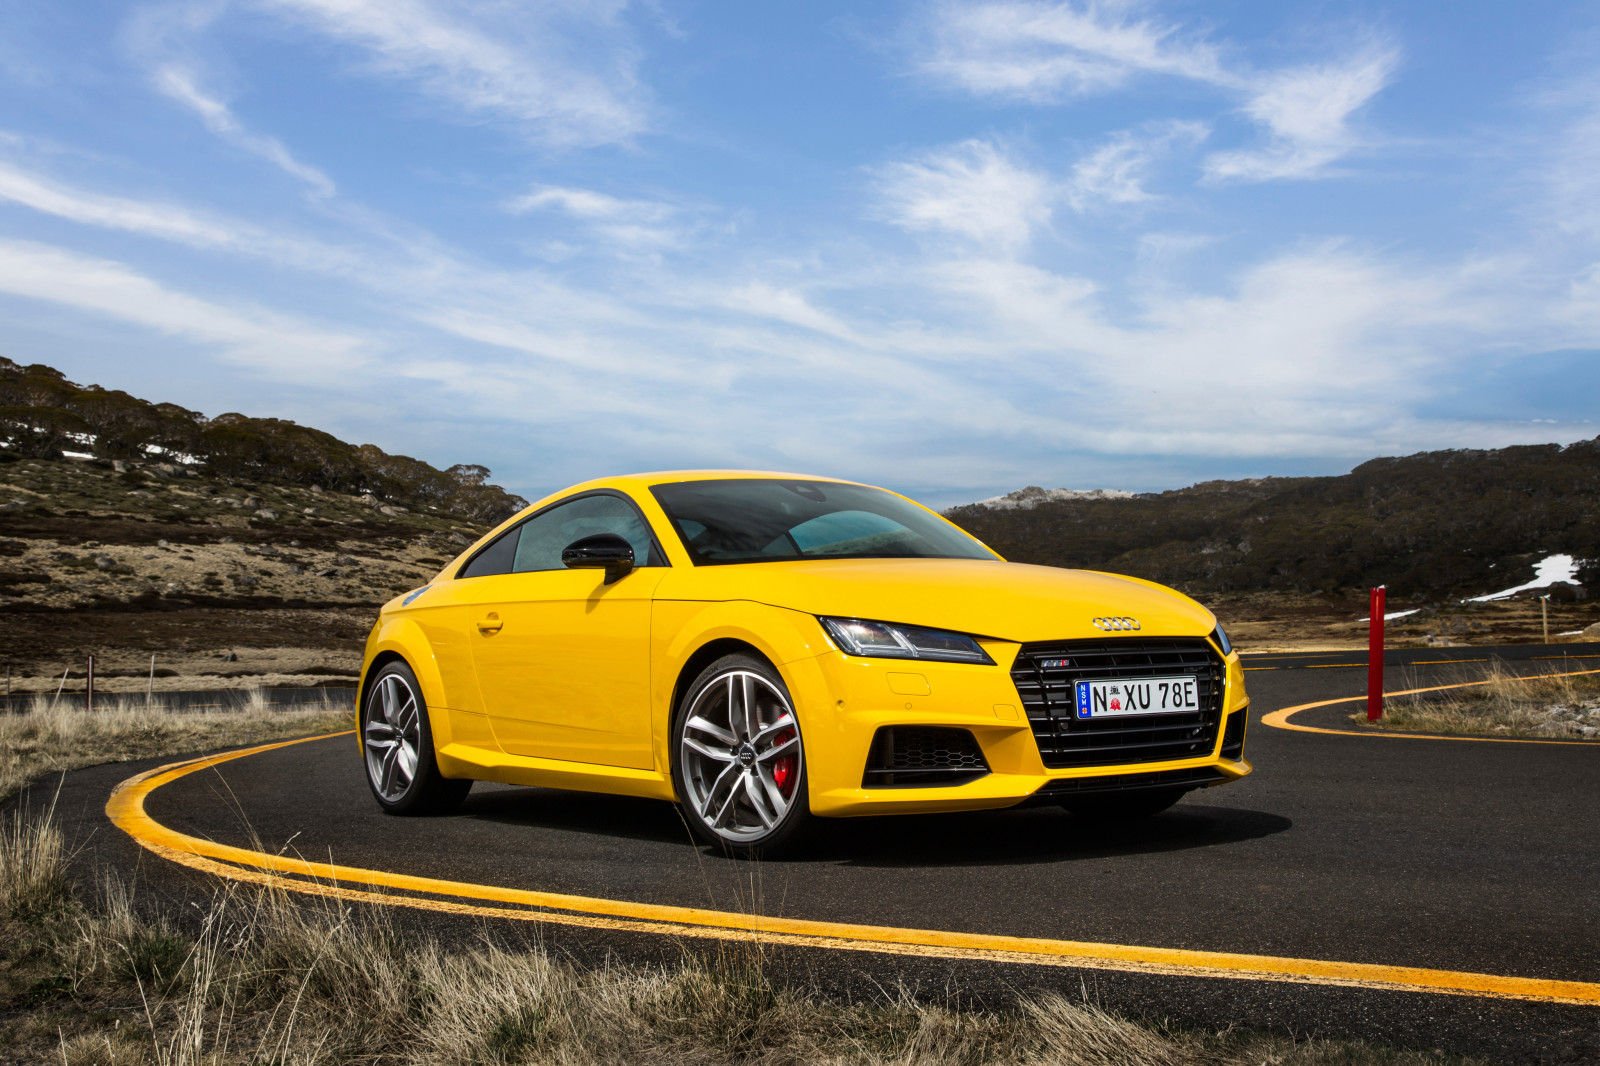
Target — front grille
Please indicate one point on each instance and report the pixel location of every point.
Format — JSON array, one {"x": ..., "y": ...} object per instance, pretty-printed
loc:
[
  {"x": 1048, "y": 696},
  {"x": 904, "y": 756},
  {"x": 1233, "y": 734}
]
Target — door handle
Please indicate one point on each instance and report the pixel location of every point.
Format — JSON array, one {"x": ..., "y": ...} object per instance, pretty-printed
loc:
[{"x": 489, "y": 625}]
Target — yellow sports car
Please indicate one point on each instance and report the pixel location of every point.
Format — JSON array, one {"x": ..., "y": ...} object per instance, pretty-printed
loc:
[{"x": 764, "y": 649}]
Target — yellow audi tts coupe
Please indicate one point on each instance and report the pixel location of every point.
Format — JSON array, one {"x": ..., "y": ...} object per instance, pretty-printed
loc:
[{"x": 765, "y": 649}]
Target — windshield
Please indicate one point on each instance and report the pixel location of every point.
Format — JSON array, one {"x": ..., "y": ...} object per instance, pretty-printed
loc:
[{"x": 753, "y": 520}]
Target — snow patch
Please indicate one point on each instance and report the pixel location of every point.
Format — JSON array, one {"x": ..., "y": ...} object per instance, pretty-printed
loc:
[
  {"x": 1551, "y": 570},
  {"x": 1033, "y": 496}
]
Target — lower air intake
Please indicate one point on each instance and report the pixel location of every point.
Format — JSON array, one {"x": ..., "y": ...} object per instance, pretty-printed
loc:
[
  {"x": 904, "y": 756},
  {"x": 1233, "y": 734}
]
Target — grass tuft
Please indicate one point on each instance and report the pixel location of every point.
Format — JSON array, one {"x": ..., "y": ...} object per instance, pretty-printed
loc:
[
  {"x": 1508, "y": 705},
  {"x": 49, "y": 737},
  {"x": 33, "y": 868}
]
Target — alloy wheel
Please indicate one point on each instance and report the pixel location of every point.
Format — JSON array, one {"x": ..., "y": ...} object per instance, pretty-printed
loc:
[
  {"x": 392, "y": 735},
  {"x": 741, "y": 756}
]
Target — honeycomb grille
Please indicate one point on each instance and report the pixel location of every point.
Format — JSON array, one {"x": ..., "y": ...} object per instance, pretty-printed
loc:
[
  {"x": 1046, "y": 674},
  {"x": 922, "y": 757}
]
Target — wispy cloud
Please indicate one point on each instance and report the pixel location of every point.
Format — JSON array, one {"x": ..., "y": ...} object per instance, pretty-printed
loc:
[
  {"x": 1050, "y": 52},
  {"x": 1044, "y": 52},
  {"x": 182, "y": 86},
  {"x": 566, "y": 73},
  {"x": 1306, "y": 112},
  {"x": 972, "y": 190},
  {"x": 271, "y": 342},
  {"x": 1115, "y": 172}
]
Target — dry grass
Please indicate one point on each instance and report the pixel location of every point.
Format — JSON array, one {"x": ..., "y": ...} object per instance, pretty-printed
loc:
[
  {"x": 262, "y": 977},
  {"x": 50, "y": 737},
  {"x": 1508, "y": 705}
]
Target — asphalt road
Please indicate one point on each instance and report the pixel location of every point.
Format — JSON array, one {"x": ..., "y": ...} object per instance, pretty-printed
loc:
[{"x": 1481, "y": 857}]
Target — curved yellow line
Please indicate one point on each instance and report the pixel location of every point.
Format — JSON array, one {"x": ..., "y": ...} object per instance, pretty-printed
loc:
[
  {"x": 126, "y": 809},
  {"x": 1280, "y": 719}
]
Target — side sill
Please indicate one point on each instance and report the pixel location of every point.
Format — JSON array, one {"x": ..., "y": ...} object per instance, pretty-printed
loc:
[{"x": 480, "y": 764}]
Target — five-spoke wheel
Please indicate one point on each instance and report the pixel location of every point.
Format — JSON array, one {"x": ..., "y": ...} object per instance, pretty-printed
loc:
[
  {"x": 738, "y": 762},
  {"x": 397, "y": 743}
]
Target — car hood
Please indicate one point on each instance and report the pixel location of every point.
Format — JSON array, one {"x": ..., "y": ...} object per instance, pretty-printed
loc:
[{"x": 990, "y": 598}]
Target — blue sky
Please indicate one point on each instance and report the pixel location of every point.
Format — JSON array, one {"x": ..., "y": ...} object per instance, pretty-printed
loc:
[{"x": 954, "y": 248}]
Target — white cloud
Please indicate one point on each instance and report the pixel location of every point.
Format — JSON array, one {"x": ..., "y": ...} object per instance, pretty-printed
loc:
[
  {"x": 566, "y": 72},
  {"x": 265, "y": 340},
  {"x": 1048, "y": 52},
  {"x": 1115, "y": 172},
  {"x": 1306, "y": 112},
  {"x": 625, "y": 224},
  {"x": 587, "y": 204},
  {"x": 174, "y": 223},
  {"x": 972, "y": 190},
  {"x": 181, "y": 86}
]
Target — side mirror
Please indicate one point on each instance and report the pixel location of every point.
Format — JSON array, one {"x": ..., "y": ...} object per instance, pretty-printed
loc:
[{"x": 603, "y": 551}]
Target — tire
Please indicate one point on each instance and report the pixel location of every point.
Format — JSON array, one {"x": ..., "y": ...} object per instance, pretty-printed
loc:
[
  {"x": 741, "y": 780},
  {"x": 1124, "y": 806},
  {"x": 397, "y": 747}
]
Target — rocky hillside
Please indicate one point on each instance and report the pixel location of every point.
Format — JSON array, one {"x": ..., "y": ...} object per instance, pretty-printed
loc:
[
  {"x": 45, "y": 416},
  {"x": 1431, "y": 525},
  {"x": 238, "y": 551}
]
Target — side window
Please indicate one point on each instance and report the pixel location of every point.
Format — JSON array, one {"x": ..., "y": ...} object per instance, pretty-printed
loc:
[
  {"x": 496, "y": 558},
  {"x": 545, "y": 535}
]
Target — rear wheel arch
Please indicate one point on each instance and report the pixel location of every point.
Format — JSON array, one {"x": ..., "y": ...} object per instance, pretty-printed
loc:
[{"x": 379, "y": 661}]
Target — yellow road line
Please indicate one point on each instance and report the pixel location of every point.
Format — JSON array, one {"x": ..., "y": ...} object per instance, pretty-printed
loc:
[
  {"x": 126, "y": 809},
  {"x": 1280, "y": 719},
  {"x": 1332, "y": 666}
]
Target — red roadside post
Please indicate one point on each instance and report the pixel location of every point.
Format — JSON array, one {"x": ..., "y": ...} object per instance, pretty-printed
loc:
[{"x": 1375, "y": 657}]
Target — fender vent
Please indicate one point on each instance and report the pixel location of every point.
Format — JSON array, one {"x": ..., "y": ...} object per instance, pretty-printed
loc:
[{"x": 911, "y": 756}]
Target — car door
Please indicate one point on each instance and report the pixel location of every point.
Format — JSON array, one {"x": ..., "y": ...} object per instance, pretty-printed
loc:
[{"x": 561, "y": 655}]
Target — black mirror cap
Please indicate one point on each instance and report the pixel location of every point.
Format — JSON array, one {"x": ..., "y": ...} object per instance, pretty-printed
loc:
[{"x": 603, "y": 551}]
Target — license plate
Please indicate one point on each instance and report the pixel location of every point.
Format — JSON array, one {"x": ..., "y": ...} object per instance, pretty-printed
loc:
[{"x": 1144, "y": 695}]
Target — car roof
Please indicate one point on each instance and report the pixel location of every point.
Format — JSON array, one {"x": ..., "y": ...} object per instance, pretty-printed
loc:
[{"x": 665, "y": 477}]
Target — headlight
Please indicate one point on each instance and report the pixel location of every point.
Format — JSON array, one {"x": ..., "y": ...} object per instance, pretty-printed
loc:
[
  {"x": 880, "y": 640},
  {"x": 1221, "y": 640}
]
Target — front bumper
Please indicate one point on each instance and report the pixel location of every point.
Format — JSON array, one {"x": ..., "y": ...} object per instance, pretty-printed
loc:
[{"x": 845, "y": 700}]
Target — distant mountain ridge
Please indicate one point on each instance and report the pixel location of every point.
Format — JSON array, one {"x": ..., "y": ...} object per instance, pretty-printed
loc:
[
  {"x": 1430, "y": 524},
  {"x": 1033, "y": 496},
  {"x": 43, "y": 416}
]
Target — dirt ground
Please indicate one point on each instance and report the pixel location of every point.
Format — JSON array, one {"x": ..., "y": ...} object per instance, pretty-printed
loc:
[{"x": 1269, "y": 621}]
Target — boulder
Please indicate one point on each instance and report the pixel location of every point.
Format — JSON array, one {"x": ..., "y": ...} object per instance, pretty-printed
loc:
[
  {"x": 1593, "y": 632},
  {"x": 105, "y": 562},
  {"x": 267, "y": 513}
]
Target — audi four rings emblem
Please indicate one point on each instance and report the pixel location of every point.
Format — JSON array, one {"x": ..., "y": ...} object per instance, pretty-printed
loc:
[{"x": 1116, "y": 623}]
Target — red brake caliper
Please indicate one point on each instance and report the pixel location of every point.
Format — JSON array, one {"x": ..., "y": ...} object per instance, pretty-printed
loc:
[{"x": 784, "y": 768}]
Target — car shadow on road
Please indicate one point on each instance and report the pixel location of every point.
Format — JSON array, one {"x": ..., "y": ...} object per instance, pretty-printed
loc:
[
  {"x": 975, "y": 838},
  {"x": 1033, "y": 835}
]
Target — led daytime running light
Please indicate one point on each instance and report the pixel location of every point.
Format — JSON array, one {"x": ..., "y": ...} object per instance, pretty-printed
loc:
[{"x": 884, "y": 640}]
